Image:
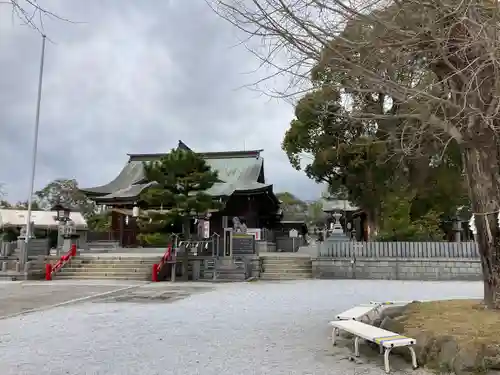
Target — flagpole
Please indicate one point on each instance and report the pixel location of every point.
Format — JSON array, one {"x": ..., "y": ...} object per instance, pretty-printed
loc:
[{"x": 34, "y": 151}]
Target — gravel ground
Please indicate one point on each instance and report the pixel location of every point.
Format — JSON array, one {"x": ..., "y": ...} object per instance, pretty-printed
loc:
[{"x": 236, "y": 329}]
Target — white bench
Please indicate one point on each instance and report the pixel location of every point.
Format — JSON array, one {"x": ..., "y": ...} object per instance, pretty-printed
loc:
[
  {"x": 391, "y": 303},
  {"x": 386, "y": 340},
  {"x": 358, "y": 312}
]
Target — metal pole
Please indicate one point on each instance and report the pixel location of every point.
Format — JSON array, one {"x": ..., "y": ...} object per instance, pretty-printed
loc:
[{"x": 35, "y": 150}]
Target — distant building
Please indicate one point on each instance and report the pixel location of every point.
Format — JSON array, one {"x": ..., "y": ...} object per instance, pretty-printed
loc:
[{"x": 41, "y": 219}]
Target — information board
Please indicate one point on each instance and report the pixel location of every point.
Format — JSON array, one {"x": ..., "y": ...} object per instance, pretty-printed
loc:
[{"x": 243, "y": 244}]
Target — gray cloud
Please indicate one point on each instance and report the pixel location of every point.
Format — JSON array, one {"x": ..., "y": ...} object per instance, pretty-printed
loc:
[{"x": 133, "y": 76}]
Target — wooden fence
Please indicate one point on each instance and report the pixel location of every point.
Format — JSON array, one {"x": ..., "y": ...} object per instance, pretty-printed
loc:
[{"x": 374, "y": 249}]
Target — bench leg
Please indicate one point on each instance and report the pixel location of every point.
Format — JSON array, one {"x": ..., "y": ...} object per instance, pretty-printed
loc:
[
  {"x": 335, "y": 332},
  {"x": 386, "y": 360},
  {"x": 413, "y": 358},
  {"x": 356, "y": 346}
]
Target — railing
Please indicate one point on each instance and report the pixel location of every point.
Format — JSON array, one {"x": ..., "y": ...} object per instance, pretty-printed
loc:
[
  {"x": 50, "y": 270},
  {"x": 157, "y": 267},
  {"x": 353, "y": 249},
  {"x": 198, "y": 248}
]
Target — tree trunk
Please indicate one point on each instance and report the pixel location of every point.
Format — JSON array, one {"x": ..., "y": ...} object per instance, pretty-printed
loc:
[
  {"x": 185, "y": 261},
  {"x": 481, "y": 164},
  {"x": 372, "y": 224}
]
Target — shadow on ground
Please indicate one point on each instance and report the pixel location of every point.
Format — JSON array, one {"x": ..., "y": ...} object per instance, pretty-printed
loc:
[{"x": 153, "y": 295}]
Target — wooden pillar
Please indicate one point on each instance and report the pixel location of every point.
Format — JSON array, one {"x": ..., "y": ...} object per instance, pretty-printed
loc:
[
  {"x": 121, "y": 229},
  {"x": 115, "y": 226}
]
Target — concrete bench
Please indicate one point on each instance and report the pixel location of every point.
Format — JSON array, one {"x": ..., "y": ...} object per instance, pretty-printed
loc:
[{"x": 386, "y": 340}]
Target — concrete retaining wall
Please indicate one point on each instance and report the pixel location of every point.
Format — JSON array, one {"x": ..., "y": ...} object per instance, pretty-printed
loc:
[{"x": 398, "y": 268}]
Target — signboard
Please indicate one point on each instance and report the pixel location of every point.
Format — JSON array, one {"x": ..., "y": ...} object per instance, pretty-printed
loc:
[
  {"x": 257, "y": 232},
  {"x": 206, "y": 228},
  {"x": 293, "y": 233},
  {"x": 227, "y": 242},
  {"x": 243, "y": 244}
]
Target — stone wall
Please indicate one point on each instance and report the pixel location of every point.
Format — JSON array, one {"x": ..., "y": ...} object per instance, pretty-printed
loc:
[{"x": 397, "y": 268}]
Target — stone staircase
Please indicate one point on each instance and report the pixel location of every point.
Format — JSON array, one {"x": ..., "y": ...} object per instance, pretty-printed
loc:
[
  {"x": 227, "y": 271},
  {"x": 129, "y": 267},
  {"x": 109, "y": 267},
  {"x": 283, "y": 266},
  {"x": 231, "y": 272}
]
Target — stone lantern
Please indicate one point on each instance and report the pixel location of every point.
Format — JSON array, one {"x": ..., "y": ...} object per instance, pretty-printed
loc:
[
  {"x": 66, "y": 229},
  {"x": 337, "y": 233}
]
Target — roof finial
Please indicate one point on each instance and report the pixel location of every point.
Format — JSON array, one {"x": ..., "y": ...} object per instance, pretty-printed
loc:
[{"x": 182, "y": 146}]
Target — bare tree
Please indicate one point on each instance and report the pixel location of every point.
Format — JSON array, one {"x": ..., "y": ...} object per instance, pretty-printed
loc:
[
  {"x": 452, "y": 94},
  {"x": 31, "y": 13}
]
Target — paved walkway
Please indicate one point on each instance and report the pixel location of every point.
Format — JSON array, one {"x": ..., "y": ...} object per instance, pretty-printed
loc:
[
  {"x": 24, "y": 296},
  {"x": 235, "y": 329}
]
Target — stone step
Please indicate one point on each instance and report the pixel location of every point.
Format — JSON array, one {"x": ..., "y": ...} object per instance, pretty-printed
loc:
[
  {"x": 108, "y": 270},
  {"x": 225, "y": 274},
  {"x": 231, "y": 277},
  {"x": 101, "y": 277},
  {"x": 279, "y": 276},
  {"x": 104, "y": 274},
  {"x": 288, "y": 270},
  {"x": 286, "y": 264},
  {"x": 110, "y": 265},
  {"x": 286, "y": 260},
  {"x": 119, "y": 259},
  {"x": 12, "y": 275}
]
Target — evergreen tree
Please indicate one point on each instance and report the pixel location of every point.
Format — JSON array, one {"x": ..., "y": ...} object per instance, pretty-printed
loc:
[{"x": 182, "y": 179}]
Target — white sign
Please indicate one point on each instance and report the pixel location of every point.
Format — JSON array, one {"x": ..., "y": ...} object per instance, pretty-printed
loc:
[
  {"x": 206, "y": 228},
  {"x": 257, "y": 232},
  {"x": 293, "y": 233}
]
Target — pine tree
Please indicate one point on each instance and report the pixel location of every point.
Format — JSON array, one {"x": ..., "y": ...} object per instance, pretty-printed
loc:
[{"x": 182, "y": 178}]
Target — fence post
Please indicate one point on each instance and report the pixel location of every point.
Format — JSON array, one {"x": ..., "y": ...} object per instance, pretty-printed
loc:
[
  {"x": 48, "y": 272},
  {"x": 154, "y": 276}
]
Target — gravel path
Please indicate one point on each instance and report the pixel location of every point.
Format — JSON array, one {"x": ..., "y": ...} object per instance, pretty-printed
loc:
[{"x": 237, "y": 329}]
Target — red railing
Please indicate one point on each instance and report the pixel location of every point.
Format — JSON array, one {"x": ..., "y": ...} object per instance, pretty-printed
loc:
[
  {"x": 157, "y": 267},
  {"x": 51, "y": 270}
]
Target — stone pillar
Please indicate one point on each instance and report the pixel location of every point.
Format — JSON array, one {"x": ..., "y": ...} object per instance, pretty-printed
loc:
[
  {"x": 457, "y": 229},
  {"x": 23, "y": 248},
  {"x": 472, "y": 226},
  {"x": 196, "y": 269}
]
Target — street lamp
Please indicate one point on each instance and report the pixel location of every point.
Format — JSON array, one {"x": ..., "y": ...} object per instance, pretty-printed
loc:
[{"x": 34, "y": 153}]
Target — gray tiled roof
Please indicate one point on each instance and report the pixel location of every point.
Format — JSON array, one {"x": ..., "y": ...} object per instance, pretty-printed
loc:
[
  {"x": 238, "y": 171},
  {"x": 338, "y": 205}
]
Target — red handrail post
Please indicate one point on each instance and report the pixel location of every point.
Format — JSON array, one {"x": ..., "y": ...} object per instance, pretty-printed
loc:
[
  {"x": 154, "y": 277},
  {"x": 73, "y": 250},
  {"x": 48, "y": 272}
]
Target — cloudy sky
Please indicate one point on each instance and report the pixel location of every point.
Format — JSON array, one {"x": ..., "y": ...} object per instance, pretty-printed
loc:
[{"x": 132, "y": 76}]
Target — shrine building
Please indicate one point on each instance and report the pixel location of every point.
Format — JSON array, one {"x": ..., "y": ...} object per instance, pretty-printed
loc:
[{"x": 242, "y": 189}]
